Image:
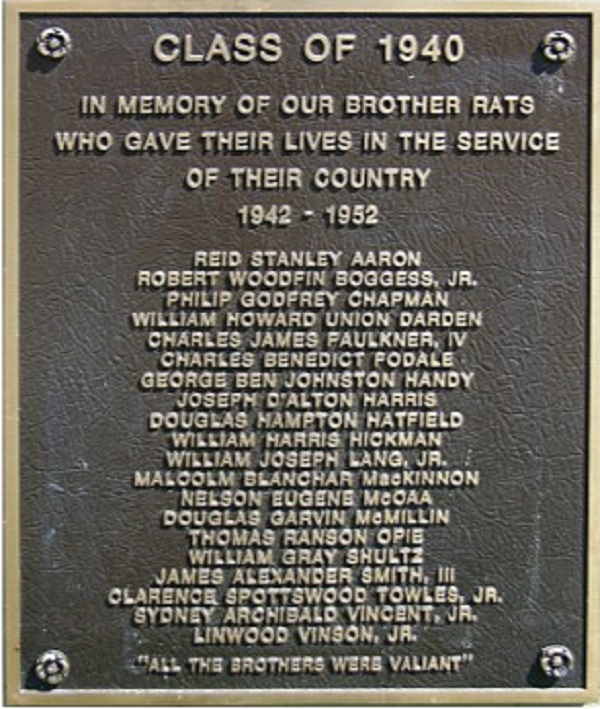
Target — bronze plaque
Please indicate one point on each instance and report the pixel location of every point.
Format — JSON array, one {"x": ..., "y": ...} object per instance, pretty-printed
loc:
[{"x": 299, "y": 344}]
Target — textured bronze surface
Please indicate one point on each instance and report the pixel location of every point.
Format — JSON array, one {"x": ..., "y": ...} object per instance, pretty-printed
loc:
[{"x": 160, "y": 156}]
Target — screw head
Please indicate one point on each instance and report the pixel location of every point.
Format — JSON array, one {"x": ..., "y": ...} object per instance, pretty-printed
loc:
[
  {"x": 52, "y": 667},
  {"x": 556, "y": 661},
  {"x": 54, "y": 43},
  {"x": 558, "y": 46}
]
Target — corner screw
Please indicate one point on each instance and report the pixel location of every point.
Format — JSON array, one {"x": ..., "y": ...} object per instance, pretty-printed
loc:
[
  {"x": 54, "y": 43},
  {"x": 52, "y": 667},
  {"x": 558, "y": 46},
  {"x": 556, "y": 661}
]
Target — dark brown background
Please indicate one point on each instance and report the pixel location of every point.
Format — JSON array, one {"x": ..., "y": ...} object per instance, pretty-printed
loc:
[{"x": 89, "y": 222}]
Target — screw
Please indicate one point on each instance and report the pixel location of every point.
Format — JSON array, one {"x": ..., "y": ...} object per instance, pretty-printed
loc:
[
  {"x": 558, "y": 46},
  {"x": 54, "y": 43},
  {"x": 556, "y": 661},
  {"x": 52, "y": 667}
]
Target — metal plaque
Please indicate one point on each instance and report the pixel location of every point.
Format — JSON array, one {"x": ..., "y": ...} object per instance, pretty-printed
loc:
[{"x": 299, "y": 389}]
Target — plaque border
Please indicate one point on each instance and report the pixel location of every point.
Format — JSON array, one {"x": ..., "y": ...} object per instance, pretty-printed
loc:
[{"x": 14, "y": 695}]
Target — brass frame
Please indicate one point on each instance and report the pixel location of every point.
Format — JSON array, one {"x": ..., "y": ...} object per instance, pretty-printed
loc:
[{"x": 14, "y": 695}]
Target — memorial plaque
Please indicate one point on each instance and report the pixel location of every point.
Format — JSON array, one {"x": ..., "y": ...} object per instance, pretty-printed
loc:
[{"x": 299, "y": 342}]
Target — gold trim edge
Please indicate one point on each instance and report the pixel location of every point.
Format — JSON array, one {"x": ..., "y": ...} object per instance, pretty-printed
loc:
[
  {"x": 306, "y": 697},
  {"x": 320, "y": 6}
]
